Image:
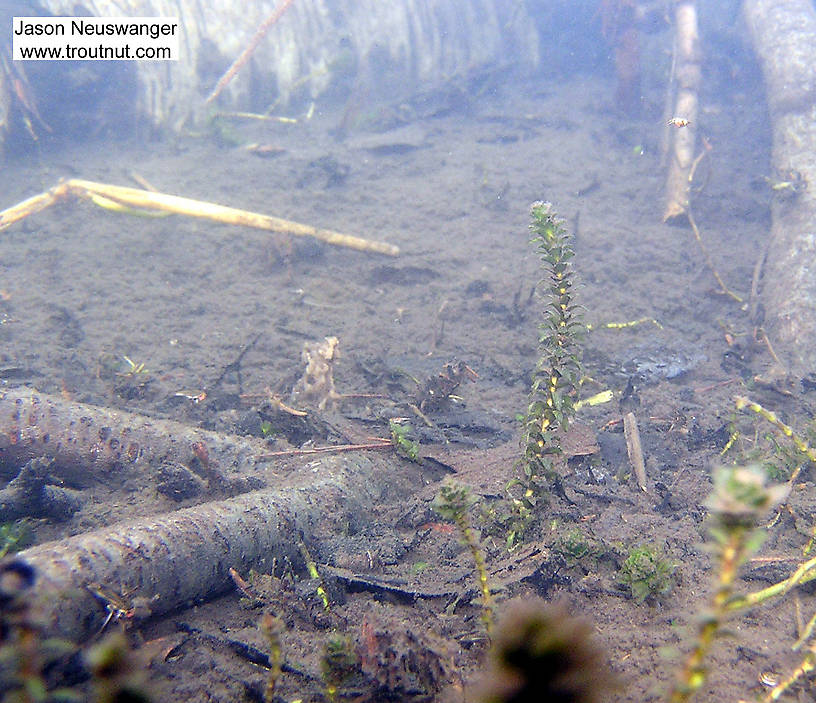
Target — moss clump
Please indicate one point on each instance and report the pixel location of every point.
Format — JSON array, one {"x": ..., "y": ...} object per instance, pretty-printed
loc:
[
  {"x": 575, "y": 547},
  {"x": 648, "y": 573}
]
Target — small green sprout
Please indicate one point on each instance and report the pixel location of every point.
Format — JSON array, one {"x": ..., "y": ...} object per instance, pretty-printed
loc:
[
  {"x": 400, "y": 437},
  {"x": 133, "y": 369},
  {"x": 14, "y": 536},
  {"x": 267, "y": 429}
]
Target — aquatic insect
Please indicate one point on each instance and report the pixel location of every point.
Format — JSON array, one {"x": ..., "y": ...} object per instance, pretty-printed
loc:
[
  {"x": 678, "y": 122},
  {"x": 120, "y": 608}
]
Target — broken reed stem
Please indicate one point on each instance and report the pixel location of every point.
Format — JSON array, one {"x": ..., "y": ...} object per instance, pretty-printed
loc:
[
  {"x": 148, "y": 200},
  {"x": 32, "y": 205},
  {"x": 635, "y": 449},
  {"x": 246, "y": 53}
]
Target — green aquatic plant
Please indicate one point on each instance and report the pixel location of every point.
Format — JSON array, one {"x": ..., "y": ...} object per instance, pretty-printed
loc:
[
  {"x": 14, "y": 536},
  {"x": 267, "y": 429},
  {"x": 558, "y": 370},
  {"x": 400, "y": 436},
  {"x": 575, "y": 546},
  {"x": 272, "y": 627},
  {"x": 787, "y": 460},
  {"x": 509, "y": 519},
  {"x": 648, "y": 573},
  {"x": 339, "y": 663},
  {"x": 452, "y": 503},
  {"x": 739, "y": 500}
]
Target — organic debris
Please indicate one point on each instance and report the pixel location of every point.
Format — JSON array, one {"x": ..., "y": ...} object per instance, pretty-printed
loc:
[
  {"x": 438, "y": 389},
  {"x": 316, "y": 387}
]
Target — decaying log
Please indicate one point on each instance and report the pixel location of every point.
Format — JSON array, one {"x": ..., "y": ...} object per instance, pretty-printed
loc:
[
  {"x": 784, "y": 38},
  {"x": 90, "y": 443},
  {"x": 177, "y": 559},
  {"x": 184, "y": 557},
  {"x": 682, "y": 140}
]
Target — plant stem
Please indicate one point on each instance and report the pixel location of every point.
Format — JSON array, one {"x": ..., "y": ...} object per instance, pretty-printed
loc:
[{"x": 732, "y": 553}]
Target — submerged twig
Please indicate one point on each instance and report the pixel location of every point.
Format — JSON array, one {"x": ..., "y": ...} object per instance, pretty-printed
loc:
[
  {"x": 379, "y": 444},
  {"x": 635, "y": 449}
]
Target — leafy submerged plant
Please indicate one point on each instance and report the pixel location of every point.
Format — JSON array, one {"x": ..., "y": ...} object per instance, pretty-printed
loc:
[
  {"x": 404, "y": 445},
  {"x": 740, "y": 498},
  {"x": 452, "y": 503},
  {"x": 575, "y": 546},
  {"x": 14, "y": 536},
  {"x": 648, "y": 573},
  {"x": 558, "y": 371},
  {"x": 338, "y": 663}
]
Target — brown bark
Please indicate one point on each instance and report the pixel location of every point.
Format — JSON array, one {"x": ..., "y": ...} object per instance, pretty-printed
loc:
[{"x": 784, "y": 37}]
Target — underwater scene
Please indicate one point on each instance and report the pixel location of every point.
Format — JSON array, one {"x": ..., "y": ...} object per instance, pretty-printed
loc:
[{"x": 422, "y": 350}]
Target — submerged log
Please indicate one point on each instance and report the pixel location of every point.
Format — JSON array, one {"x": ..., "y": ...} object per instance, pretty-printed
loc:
[
  {"x": 784, "y": 38},
  {"x": 174, "y": 560},
  {"x": 182, "y": 558},
  {"x": 90, "y": 444}
]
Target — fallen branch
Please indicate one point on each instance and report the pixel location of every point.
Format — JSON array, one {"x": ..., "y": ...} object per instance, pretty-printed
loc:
[
  {"x": 185, "y": 557},
  {"x": 113, "y": 197},
  {"x": 32, "y": 494},
  {"x": 90, "y": 443}
]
